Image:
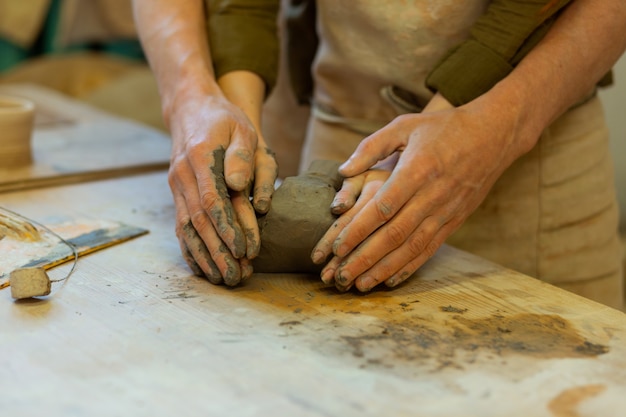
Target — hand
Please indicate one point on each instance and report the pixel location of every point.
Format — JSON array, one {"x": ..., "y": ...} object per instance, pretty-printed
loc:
[
  {"x": 449, "y": 159},
  {"x": 214, "y": 159},
  {"x": 355, "y": 192}
]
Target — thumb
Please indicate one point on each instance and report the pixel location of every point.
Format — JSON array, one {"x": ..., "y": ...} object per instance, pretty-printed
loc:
[{"x": 370, "y": 151}]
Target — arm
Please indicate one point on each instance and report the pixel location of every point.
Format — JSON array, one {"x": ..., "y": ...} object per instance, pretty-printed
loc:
[
  {"x": 216, "y": 151},
  {"x": 498, "y": 40},
  {"x": 450, "y": 158}
]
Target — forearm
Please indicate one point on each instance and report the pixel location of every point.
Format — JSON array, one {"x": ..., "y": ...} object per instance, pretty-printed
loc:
[
  {"x": 174, "y": 37},
  {"x": 562, "y": 69},
  {"x": 246, "y": 90}
]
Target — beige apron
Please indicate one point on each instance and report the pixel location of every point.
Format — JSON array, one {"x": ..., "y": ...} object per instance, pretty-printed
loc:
[{"x": 552, "y": 215}]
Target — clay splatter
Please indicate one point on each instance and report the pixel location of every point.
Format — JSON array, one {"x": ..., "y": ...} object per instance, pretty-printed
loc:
[
  {"x": 539, "y": 336},
  {"x": 566, "y": 403},
  {"x": 450, "y": 309}
]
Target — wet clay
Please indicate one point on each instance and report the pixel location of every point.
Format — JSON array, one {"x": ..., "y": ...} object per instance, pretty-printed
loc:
[{"x": 298, "y": 217}]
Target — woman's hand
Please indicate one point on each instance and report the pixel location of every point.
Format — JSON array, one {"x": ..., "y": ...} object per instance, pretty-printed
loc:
[{"x": 214, "y": 160}]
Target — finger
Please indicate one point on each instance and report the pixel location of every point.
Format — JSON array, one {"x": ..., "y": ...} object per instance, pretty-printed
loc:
[
  {"x": 346, "y": 197},
  {"x": 189, "y": 259},
  {"x": 414, "y": 264},
  {"x": 417, "y": 243},
  {"x": 324, "y": 246},
  {"x": 408, "y": 233},
  {"x": 401, "y": 186},
  {"x": 219, "y": 253},
  {"x": 198, "y": 260},
  {"x": 215, "y": 200},
  {"x": 392, "y": 235},
  {"x": 246, "y": 268},
  {"x": 195, "y": 248},
  {"x": 247, "y": 220},
  {"x": 266, "y": 171},
  {"x": 374, "y": 148},
  {"x": 328, "y": 272},
  {"x": 202, "y": 226},
  {"x": 239, "y": 157}
]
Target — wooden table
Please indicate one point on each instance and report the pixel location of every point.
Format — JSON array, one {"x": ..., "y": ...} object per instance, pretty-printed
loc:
[
  {"x": 133, "y": 333},
  {"x": 73, "y": 142}
]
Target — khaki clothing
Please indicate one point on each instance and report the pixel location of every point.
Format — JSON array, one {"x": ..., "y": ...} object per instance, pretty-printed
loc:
[
  {"x": 552, "y": 214},
  {"x": 242, "y": 36},
  {"x": 81, "y": 21}
]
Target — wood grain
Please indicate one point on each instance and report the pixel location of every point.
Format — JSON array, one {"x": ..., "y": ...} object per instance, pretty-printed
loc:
[
  {"x": 73, "y": 142},
  {"x": 134, "y": 333}
]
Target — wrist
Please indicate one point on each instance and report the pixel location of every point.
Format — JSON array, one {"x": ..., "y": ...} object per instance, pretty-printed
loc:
[{"x": 185, "y": 87}]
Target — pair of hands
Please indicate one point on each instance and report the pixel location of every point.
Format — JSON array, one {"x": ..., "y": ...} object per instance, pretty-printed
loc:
[
  {"x": 218, "y": 158},
  {"x": 435, "y": 169},
  {"x": 408, "y": 187}
]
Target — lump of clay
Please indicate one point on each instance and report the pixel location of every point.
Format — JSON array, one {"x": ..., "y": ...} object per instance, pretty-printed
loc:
[
  {"x": 29, "y": 282},
  {"x": 298, "y": 218}
]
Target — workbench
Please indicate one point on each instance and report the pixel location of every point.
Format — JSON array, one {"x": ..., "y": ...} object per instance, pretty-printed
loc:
[{"x": 133, "y": 332}]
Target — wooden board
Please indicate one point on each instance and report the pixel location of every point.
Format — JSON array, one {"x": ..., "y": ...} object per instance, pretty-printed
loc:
[
  {"x": 73, "y": 142},
  {"x": 134, "y": 333},
  {"x": 48, "y": 246}
]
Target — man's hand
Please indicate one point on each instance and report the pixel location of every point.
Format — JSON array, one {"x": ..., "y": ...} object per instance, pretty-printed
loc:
[{"x": 448, "y": 160}]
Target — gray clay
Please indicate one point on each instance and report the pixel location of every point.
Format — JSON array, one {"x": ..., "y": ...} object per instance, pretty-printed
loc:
[{"x": 298, "y": 217}]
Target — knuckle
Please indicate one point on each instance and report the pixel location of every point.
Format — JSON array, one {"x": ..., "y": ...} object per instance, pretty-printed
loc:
[
  {"x": 365, "y": 261},
  {"x": 384, "y": 208},
  {"x": 199, "y": 220},
  {"x": 174, "y": 172},
  {"x": 244, "y": 154},
  {"x": 431, "y": 248},
  {"x": 417, "y": 243},
  {"x": 208, "y": 201},
  {"x": 184, "y": 227},
  {"x": 396, "y": 234}
]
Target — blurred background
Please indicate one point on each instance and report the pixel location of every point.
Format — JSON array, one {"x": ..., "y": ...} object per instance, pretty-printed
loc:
[{"x": 88, "y": 50}]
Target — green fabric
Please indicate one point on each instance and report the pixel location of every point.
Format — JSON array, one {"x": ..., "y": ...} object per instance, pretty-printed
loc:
[
  {"x": 10, "y": 55},
  {"x": 243, "y": 35},
  {"x": 498, "y": 41},
  {"x": 47, "y": 43}
]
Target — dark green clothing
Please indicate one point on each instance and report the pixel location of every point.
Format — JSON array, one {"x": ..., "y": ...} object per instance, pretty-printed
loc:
[{"x": 243, "y": 36}]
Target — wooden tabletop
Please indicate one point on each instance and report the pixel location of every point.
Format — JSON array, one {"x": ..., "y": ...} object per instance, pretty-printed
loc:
[
  {"x": 133, "y": 333},
  {"x": 73, "y": 142}
]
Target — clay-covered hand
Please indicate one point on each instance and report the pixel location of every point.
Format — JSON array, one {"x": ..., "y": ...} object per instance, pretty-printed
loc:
[
  {"x": 216, "y": 156},
  {"x": 449, "y": 159},
  {"x": 355, "y": 192}
]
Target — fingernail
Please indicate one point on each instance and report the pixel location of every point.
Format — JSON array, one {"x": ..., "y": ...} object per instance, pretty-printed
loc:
[
  {"x": 338, "y": 208},
  {"x": 392, "y": 282},
  {"x": 237, "y": 181},
  {"x": 262, "y": 206},
  {"x": 340, "y": 250},
  {"x": 246, "y": 272},
  {"x": 343, "y": 277},
  {"x": 327, "y": 275},
  {"x": 318, "y": 257},
  {"x": 341, "y": 288},
  {"x": 366, "y": 283}
]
